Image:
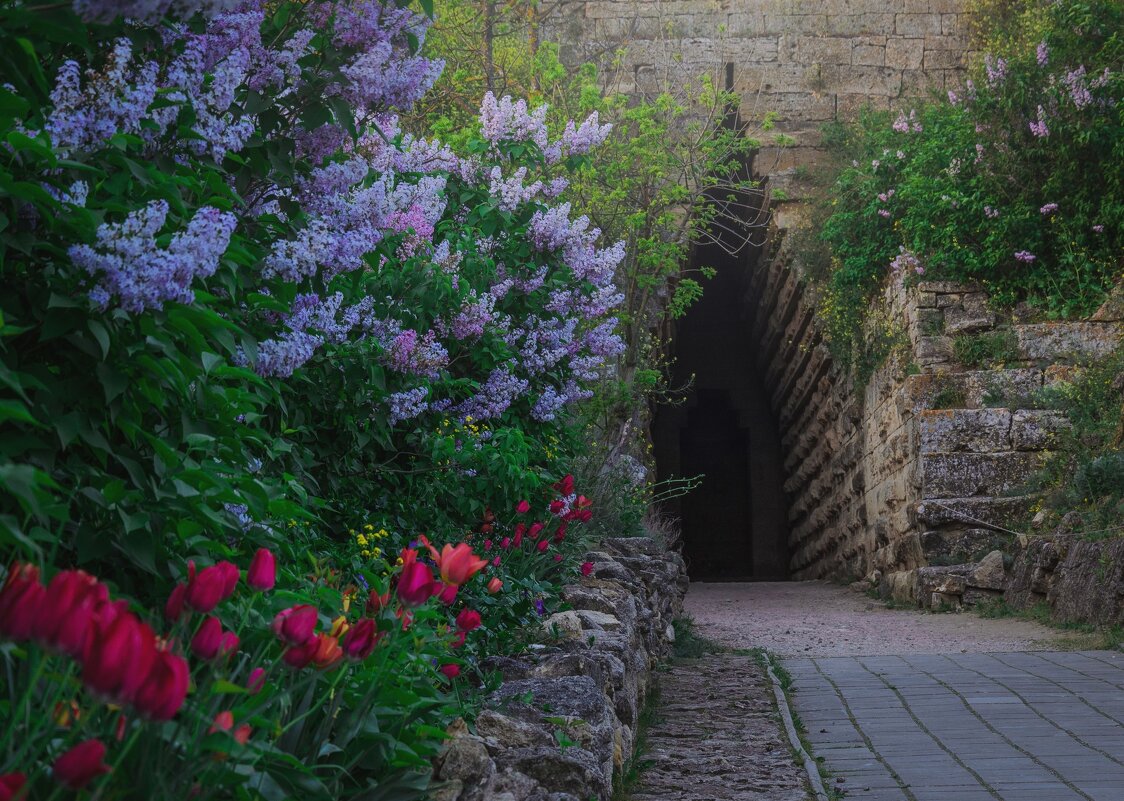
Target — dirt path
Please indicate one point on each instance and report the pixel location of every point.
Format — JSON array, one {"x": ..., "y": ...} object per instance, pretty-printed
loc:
[{"x": 813, "y": 618}]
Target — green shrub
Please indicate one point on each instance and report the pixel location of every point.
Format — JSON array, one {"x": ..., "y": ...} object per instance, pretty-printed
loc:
[{"x": 986, "y": 349}]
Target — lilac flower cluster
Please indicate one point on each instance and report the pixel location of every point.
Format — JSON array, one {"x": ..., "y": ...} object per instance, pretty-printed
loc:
[
  {"x": 996, "y": 69},
  {"x": 132, "y": 269},
  {"x": 1049, "y": 208},
  {"x": 1042, "y": 54},
  {"x": 904, "y": 124},
  {"x": 149, "y": 10},
  {"x": 1039, "y": 128},
  {"x": 496, "y": 394},
  {"x": 505, "y": 120},
  {"x": 906, "y": 261},
  {"x": 1025, "y": 256},
  {"x": 407, "y": 404}
]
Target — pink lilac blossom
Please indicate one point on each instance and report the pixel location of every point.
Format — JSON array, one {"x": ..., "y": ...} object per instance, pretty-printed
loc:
[
  {"x": 1042, "y": 54},
  {"x": 1078, "y": 90},
  {"x": 510, "y": 192},
  {"x": 904, "y": 124},
  {"x": 1099, "y": 229},
  {"x": 407, "y": 405},
  {"x": 991, "y": 213},
  {"x": 906, "y": 261},
  {"x": 511, "y": 121},
  {"x": 132, "y": 269},
  {"x": 996, "y": 69},
  {"x": 1049, "y": 208},
  {"x": 1025, "y": 256}
]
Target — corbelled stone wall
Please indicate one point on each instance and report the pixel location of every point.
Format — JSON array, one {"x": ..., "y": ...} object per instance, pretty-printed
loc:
[
  {"x": 805, "y": 61},
  {"x": 924, "y": 461}
]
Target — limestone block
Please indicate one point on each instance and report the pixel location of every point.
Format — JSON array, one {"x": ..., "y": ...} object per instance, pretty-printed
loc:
[
  {"x": 905, "y": 53},
  {"x": 970, "y": 315},
  {"x": 1063, "y": 341},
  {"x": 823, "y": 49},
  {"x": 932, "y": 350},
  {"x": 917, "y": 24},
  {"x": 941, "y": 601},
  {"x": 796, "y": 23},
  {"x": 744, "y": 51},
  {"x": 742, "y": 23},
  {"x": 1036, "y": 429},
  {"x": 566, "y": 625},
  {"x": 974, "y": 430},
  {"x": 872, "y": 55},
  {"x": 875, "y": 81},
  {"x": 942, "y": 59},
  {"x": 857, "y": 24},
  {"x": 969, "y": 511},
  {"x": 959, "y": 475},
  {"x": 573, "y": 770},
  {"x": 943, "y": 579},
  {"x": 989, "y": 574}
]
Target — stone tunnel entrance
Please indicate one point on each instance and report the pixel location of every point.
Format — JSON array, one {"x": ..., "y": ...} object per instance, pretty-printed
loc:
[{"x": 735, "y": 524}]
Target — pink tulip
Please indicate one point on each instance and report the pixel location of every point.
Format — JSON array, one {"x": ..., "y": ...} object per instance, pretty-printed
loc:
[
  {"x": 295, "y": 624},
  {"x": 11, "y": 784},
  {"x": 300, "y": 656},
  {"x": 208, "y": 588},
  {"x": 450, "y": 671},
  {"x": 205, "y": 643},
  {"x": 415, "y": 583},
  {"x": 587, "y": 568},
  {"x": 523, "y": 507},
  {"x": 118, "y": 657},
  {"x": 495, "y": 585},
  {"x": 173, "y": 610},
  {"x": 165, "y": 687},
  {"x": 81, "y": 764},
  {"x": 256, "y": 680},
  {"x": 468, "y": 620},
  {"x": 360, "y": 640},
  {"x": 20, "y": 602},
  {"x": 262, "y": 574},
  {"x": 448, "y": 594}
]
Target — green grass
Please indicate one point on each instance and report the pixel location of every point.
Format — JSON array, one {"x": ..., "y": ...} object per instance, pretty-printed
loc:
[
  {"x": 986, "y": 349},
  {"x": 634, "y": 766},
  {"x": 1091, "y": 637},
  {"x": 689, "y": 644}
]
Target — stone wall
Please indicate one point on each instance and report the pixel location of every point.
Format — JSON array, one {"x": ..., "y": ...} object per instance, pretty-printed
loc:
[
  {"x": 924, "y": 461},
  {"x": 806, "y": 61},
  {"x": 562, "y": 725}
]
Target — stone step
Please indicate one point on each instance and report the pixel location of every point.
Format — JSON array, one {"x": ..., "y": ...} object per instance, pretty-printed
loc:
[{"x": 963, "y": 475}]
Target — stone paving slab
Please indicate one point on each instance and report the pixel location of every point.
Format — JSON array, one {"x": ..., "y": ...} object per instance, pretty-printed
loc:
[{"x": 1042, "y": 726}]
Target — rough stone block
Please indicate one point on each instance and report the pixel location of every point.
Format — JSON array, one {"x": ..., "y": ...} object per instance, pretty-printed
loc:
[
  {"x": 905, "y": 53},
  {"x": 942, "y": 59},
  {"x": 968, "y": 316},
  {"x": 823, "y": 50},
  {"x": 959, "y": 475},
  {"x": 917, "y": 24},
  {"x": 869, "y": 55},
  {"x": 1064, "y": 341},
  {"x": 975, "y": 430},
  {"x": 1033, "y": 430},
  {"x": 989, "y": 574}
]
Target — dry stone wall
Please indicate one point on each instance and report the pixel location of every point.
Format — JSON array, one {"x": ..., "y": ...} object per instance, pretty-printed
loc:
[
  {"x": 805, "y": 61},
  {"x": 562, "y": 724}
]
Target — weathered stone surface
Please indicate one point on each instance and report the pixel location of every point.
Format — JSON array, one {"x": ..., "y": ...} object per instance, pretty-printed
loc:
[
  {"x": 976, "y": 430},
  {"x": 957, "y": 475},
  {"x": 572, "y": 770},
  {"x": 1067, "y": 341},
  {"x": 564, "y": 625},
  {"x": 943, "y": 580},
  {"x": 990, "y": 573},
  {"x": 1036, "y": 429}
]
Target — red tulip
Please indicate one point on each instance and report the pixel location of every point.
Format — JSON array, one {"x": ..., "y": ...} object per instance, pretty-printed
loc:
[
  {"x": 451, "y": 671},
  {"x": 118, "y": 657},
  {"x": 458, "y": 640},
  {"x": 256, "y": 680},
  {"x": 487, "y": 545},
  {"x": 10, "y": 785},
  {"x": 415, "y": 583},
  {"x": 376, "y": 603},
  {"x": 299, "y": 656},
  {"x": 505, "y": 543},
  {"x": 565, "y": 486},
  {"x": 518, "y": 540},
  {"x": 523, "y": 507},
  {"x": 557, "y": 557},
  {"x": 587, "y": 568},
  {"x": 536, "y": 527},
  {"x": 173, "y": 609},
  {"x": 543, "y": 545},
  {"x": 495, "y": 585},
  {"x": 360, "y": 640},
  {"x": 560, "y": 532},
  {"x": 497, "y": 562},
  {"x": 448, "y": 594},
  {"x": 74, "y": 631},
  {"x": 20, "y": 602},
  {"x": 208, "y": 588},
  {"x": 585, "y": 515},
  {"x": 165, "y": 688},
  {"x": 328, "y": 652},
  {"x": 242, "y": 734},
  {"x": 262, "y": 574},
  {"x": 468, "y": 620},
  {"x": 458, "y": 564},
  {"x": 81, "y": 764},
  {"x": 295, "y": 624},
  {"x": 205, "y": 643},
  {"x": 224, "y": 721},
  {"x": 556, "y": 507},
  {"x": 68, "y": 592}
]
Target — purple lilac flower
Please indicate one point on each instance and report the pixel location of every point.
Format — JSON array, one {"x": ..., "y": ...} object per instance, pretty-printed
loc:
[
  {"x": 149, "y": 10},
  {"x": 1049, "y": 208},
  {"x": 1042, "y": 54},
  {"x": 1039, "y": 128},
  {"x": 495, "y": 396},
  {"x": 1078, "y": 92},
  {"x": 280, "y": 357},
  {"x": 507, "y": 120},
  {"x": 996, "y": 69},
  {"x": 473, "y": 317},
  {"x": 511, "y": 192},
  {"x": 990, "y": 212},
  {"x": 904, "y": 124},
  {"x": 905, "y": 260},
  {"x": 407, "y": 405},
  {"x": 1025, "y": 256},
  {"x": 1099, "y": 229},
  {"x": 131, "y": 268}
]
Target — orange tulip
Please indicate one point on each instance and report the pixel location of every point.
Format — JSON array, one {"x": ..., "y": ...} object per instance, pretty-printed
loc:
[
  {"x": 328, "y": 652},
  {"x": 458, "y": 564}
]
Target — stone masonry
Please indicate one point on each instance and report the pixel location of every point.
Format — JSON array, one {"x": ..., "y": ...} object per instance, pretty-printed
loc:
[
  {"x": 805, "y": 61},
  {"x": 919, "y": 464}
]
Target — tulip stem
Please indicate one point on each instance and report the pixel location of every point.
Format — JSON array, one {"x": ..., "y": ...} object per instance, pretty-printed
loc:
[{"x": 25, "y": 698}]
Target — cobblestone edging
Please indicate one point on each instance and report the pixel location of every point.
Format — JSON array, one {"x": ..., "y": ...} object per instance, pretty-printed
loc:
[{"x": 562, "y": 724}]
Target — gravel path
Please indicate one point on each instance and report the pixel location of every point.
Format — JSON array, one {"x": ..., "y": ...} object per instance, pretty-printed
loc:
[{"x": 812, "y": 618}]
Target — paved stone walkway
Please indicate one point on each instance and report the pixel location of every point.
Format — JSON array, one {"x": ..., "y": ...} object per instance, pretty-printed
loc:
[
  {"x": 1045, "y": 726},
  {"x": 717, "y": 738}
]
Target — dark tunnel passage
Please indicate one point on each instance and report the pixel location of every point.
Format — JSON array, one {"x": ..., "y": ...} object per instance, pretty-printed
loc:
[{"x": 735, "y": 523}]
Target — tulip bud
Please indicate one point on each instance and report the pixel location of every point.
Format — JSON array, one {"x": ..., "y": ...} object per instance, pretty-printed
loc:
[
  {"x": 207, "y": 588},
  {"x": 228, "y": 645},
  {"x": 523, "y": 507},
  {"x": 295, "y": 624},
  {"x": 587, "y": 568},
  {"x": 68, "y": 591},
  {"x": 450, "y": 671},
  {"x": 543, "y": 545},
  {"x": 376, "y": 603},
  {"x": 242, "y": 734},
  {"x": 505, "y": 543},
  {"x": 118, "y": 657},
  {"x": 205, "y": 643},
  {"x": 11, "y": 784},
  {"x": 360, "y": 639},
  {"x": 81, "y": 764},
  {"x": 224, "y": 721},
  {"x": 458, "y": 640},
  {"x": 173, "y": 609},
  {"x": 262, "y": 574},
  {"x": 448, "y": 594},
  {"x": 556, "y": 507},
  {"x": 468, "y": 620},
  {"x": 536, "y": 527},
  {"x": 256, "y": 680},
  {"x": 495, "y": 585},
  {"x": 20, "y": 602}
]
